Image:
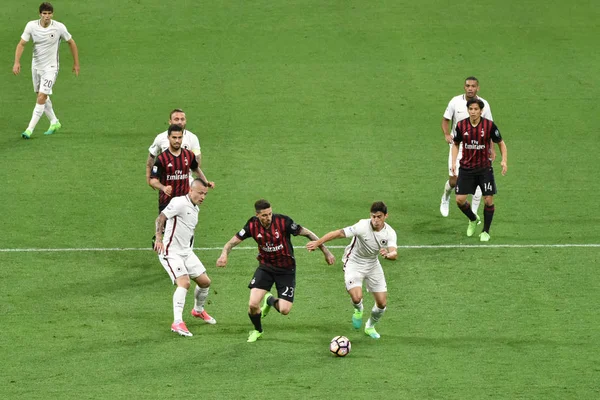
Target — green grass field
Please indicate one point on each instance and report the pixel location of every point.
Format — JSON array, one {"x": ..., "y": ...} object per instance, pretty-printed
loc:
[{"x": 322, "y": 108}]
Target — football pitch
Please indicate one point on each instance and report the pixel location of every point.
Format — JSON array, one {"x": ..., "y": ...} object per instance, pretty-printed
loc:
[{"x": 321, "y": 107}]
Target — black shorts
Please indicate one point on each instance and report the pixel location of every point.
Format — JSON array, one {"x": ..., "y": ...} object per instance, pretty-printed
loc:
[
  {"x": 284, "y": 279},
  {"x": 468, "y": 180}
]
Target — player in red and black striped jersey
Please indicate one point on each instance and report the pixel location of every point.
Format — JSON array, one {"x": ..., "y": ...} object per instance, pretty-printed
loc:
[
  {"x": 277, "y": 265},
  {"x": 171, "y": 170},
  {"x": 476, "y": 135}
]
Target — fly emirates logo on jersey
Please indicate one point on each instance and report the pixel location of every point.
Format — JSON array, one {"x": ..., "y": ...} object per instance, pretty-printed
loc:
[
  {"x": 474, "y": 145},
  {"x": 270, "y": 248},
  {"x": 177, "y": 175}
]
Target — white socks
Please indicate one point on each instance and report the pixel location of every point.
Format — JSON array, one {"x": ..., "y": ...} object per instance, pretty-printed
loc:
[
  {"x": 178, "y": 303},
  {"x": 376, "y": 314},
  {"x": 358, "y": 306},
  {"x": 49, "y": 111},
  {"x": 476, "y": 200},
  {"x": 447, "y": 189},
  {"x": 38, "y": 111},
  {"x": 200, "y": 295}
]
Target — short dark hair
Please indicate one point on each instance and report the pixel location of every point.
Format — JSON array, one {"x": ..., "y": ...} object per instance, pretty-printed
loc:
[
  {"x": 471, "y": 78},
  {"x": 174, "y": 128},
  {"x": 46, "y": 7},
  {"x": 261, "y": 204},
  {"x": 379, "y": 206},
  {"x": 176, "y": 110},
  {"x": 478, "y": 101}
]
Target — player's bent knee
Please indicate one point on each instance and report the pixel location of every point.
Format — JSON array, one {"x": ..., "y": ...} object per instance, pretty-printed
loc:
[
  {"x": 183, "y": 284},
  {"x": 461, "y": 200},
  {"x": 253, "y": 308},
  {"x": 41, "y": 98},
  {"x": 203, "y": 281},
  {"x": 285, "y": 310}
]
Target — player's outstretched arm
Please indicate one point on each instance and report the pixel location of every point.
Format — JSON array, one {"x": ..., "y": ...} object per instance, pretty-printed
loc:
[
  {"x": 222, "y": 260},
  {"x": 75, "y": 53},
  {"x": 329, "y": 257},
  {"x": 18, "y": 54},
  {"x": 311, "y": 246}
]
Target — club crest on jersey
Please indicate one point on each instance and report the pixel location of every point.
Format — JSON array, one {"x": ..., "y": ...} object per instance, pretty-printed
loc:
[
  {"x": 482, "y": 132},
  {"x": 276, "y": 234},
  {"x": 185, "y": 161},
  {"x": 383, "y": 242}
]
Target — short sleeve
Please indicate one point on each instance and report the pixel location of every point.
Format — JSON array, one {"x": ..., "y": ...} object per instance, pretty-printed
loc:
[
  {"x": 157, "y": 169},
  {"x": 495, "y": 134},
  {"x": 292, "y": 227},
  {"x": 354, "y": 230},
  {"x": 487, "y": 112},
  {"x": 449, "y": 113},
  {"x": 194, "y": 163},
  {"x": 458, "y": 136},
  {"x": 26, "y": 36},
  {"x": 64, "y": 33},
  {"x": 154, "y": 148},
  {"x": 173, "y": 209},
  {"x": 196, "y": 145},
  {"x": 244, "y": 233},
  {"x": 393, "y": 239}
]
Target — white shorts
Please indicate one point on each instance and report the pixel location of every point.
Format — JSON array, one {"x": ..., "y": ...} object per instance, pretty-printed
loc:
[
  {"x": 355, "y": 274},
  {"x": 458, "y": 157},
  {"x": 178, "y": 265},
  {"x": 43, "y": 81}
]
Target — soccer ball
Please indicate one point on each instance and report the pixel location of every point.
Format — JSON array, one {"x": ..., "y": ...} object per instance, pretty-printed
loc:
[{"x": 340, "y": 346}]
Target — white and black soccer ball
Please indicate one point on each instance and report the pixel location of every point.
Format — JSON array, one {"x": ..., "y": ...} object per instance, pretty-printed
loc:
[{"x": 340, "y": 346}]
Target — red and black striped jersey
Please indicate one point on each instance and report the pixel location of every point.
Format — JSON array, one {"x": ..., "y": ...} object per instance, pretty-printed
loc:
[
  {"x": 174, "y": 171},
  {"x": 476, "y": 142},
  {"x": 274, "y": 243}
]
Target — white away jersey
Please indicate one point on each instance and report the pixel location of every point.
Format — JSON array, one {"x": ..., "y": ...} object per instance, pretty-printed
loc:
[
  {"x": 182, "y": 218},
  {"x": 457, "y": 111},
  {"x": 161, "y": 143},
  {"x": 365, "y": 244},
  {"x": 45, "y": 43}
]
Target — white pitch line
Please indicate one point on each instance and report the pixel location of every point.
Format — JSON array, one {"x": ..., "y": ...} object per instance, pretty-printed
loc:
[{"x": 407, "y": 247}]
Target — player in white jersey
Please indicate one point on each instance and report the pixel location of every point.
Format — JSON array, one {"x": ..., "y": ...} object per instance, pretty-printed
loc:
[
  {"x": 371, "y": 238},
  {"x": 161, "y": 142},
  {"x": 46, "y": 36},
  {"x": 175, "y": 252},
  {"x": 457, "y": 111}
]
